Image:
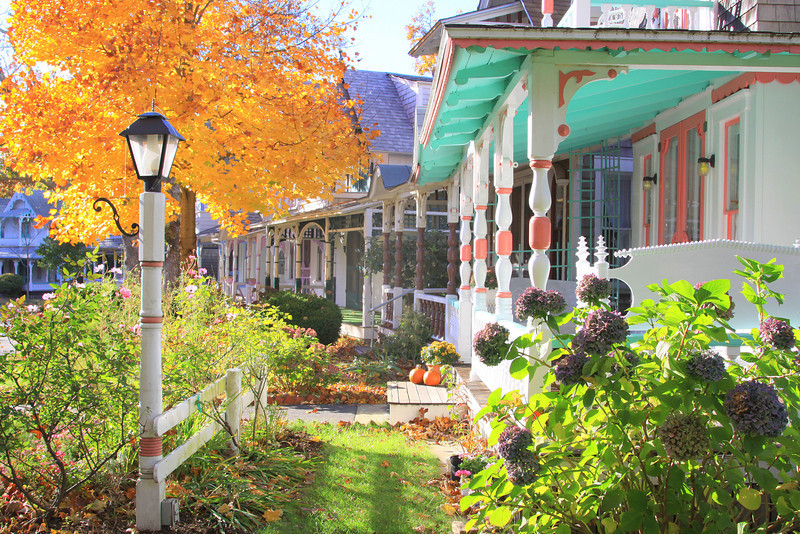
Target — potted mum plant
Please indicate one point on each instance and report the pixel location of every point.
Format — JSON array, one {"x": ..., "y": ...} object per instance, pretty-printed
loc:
[{"x": 439, "y": 353}]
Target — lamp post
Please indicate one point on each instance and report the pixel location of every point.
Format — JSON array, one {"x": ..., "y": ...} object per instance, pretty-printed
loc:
[{"x": 152, "y": 142}]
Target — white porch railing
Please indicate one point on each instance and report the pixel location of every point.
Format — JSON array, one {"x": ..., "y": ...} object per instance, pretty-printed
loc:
[
  {"x": 237, "y": 408},
  {"x": 702, "y": 261},
  {"x": 672, "y": 15}
]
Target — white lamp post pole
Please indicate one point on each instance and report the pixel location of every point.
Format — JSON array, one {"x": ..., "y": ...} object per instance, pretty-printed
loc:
[
  {"x": 150, "y": 493},
  {"x": 153, "y": 143}
]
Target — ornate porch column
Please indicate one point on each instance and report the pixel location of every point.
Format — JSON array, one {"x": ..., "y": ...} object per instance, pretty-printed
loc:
[
  {"x": 465, "y": 235},
  {"x": 268, "y": 265},
  {"x": 550, "y": 89},
  {"x": 386, "y": 228},
  {"x": 480, "y": 174},
  {"x": 399, "y": 226},
  {"x": 329, "y": 286},
  {"x": 298, "y": 260},
  {"x": 503, "y": 184},
  {"x": 452, "y": 237},
  {"x": 276, "y": 251},
  {"x": 421, "y": 200}
]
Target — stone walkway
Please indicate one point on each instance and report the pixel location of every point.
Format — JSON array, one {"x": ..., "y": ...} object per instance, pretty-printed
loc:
[{"x": 333, "y": 413}]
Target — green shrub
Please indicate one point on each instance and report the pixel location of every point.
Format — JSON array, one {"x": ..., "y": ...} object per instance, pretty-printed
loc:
[
  {"x": 652, "y": 435},
  {"x": 309, "y": 311},
  {"x": 69, "y": 395},
  {"x": 407, "y": 341},
  {"x": 12, "y": 285}
]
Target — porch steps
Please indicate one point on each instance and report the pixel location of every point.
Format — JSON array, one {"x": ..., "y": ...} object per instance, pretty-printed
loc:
[{"x": 407, "y": 399}]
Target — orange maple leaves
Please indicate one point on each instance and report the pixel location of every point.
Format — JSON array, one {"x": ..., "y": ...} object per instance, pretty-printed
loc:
[{"x": 252, "y": 86}]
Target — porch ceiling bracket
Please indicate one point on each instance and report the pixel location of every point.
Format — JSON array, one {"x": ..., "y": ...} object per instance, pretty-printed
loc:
[
  {"x": 573, "y": 77},
  {"x": 498, "y": 69}
]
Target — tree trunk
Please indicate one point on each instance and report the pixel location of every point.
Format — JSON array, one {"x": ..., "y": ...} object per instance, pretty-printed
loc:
[
  {"x": 188, "y": 232},
  {"x": 131, "y": 253}
]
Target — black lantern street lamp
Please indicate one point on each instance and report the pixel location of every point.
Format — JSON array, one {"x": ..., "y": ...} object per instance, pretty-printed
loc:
[{"x": 152, "y": 142}]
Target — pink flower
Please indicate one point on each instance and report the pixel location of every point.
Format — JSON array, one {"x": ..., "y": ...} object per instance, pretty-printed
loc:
[
  {"x": 202, "y": 271},
  {"x": 191, "y": 289},
  {"x": 124, "y": 292},
  {"x": 115, "y": 270},
  {"x": 48, "y": 296},
  {"x": 462, "y": 473},
  {"x": 99, "y": 268},
  {"x": 192, "y": 258},
  {"x": 137, "y": 329},
  {"x": 33, "y": 308},
  {"x": 191, "y": 272}
]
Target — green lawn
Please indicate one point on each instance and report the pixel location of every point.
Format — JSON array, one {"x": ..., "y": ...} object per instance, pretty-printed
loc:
[
  {"x": 372, "y": 480},
  {"x": 351, "y": 316}
]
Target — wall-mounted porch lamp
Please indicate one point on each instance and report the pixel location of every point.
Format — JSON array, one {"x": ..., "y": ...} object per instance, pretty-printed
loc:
[
  {"x": 704, "y": 165},
  {"x": 649, "y": 181}
]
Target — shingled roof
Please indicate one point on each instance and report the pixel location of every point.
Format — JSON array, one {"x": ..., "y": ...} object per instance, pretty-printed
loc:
[{"x": 383, "y": 108}]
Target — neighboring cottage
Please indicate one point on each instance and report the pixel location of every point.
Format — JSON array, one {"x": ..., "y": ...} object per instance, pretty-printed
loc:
[
  {"x": 19, "y": 239},
  {"x": 318, "y": 248}
]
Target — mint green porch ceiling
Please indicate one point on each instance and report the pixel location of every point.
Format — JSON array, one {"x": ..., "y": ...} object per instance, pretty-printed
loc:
[{"x": 657, "y": 80}]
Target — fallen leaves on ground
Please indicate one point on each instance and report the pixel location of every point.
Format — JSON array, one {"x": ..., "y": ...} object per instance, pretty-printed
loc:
[{"x": 437, "y": 429}]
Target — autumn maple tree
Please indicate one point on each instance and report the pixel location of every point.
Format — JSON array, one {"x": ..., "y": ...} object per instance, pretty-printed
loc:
[
  {"x": 423, "y": 20},
  {"x": 250, "y": 84}
]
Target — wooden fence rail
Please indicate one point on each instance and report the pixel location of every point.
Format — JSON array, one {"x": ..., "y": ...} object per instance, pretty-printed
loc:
[{"x": 237, "y": 408}]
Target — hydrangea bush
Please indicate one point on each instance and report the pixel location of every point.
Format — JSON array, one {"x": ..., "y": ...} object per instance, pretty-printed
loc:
[{"x": 659, "y": 434}]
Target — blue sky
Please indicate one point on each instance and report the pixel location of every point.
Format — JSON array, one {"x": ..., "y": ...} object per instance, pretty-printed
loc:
[{"x": 380, "y": 38}]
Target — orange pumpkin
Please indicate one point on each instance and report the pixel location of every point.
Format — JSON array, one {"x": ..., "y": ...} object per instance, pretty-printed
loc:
[
  {"x": 432, "y": 378},
  {"x": 417, "y": 375}
]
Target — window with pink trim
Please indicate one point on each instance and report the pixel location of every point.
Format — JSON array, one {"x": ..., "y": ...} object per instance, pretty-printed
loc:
[
  {"x": 680, "y": 187},
  {"x": 732, "y": 165}
]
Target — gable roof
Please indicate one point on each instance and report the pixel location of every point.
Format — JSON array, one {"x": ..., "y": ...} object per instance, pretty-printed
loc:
[
  {"x": 383, "y": 108},
  {"x": 34, "y": 203}
]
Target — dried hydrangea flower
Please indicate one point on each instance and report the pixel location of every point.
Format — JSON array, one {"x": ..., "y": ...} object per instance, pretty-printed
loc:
[
  {"x": 601, "y": 330},
  {"x": 684, "y": 436},
  {"x": 706, "y": 365},
  {"x": 523, "y": 471},
  {"x": 593, "y": 289},
  {"x": 755, "y": 409},
  {"x": 569, "y": 369},
  {"x": 538, "y": 303},
  {"x": 777, "y": 334},
  {"x": 491, "y": 343},
  {"x": 513, "y": 443}
]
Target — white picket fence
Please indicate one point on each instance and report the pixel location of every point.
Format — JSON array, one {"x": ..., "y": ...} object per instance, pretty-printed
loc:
[{"x": 237, "y": 407}]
